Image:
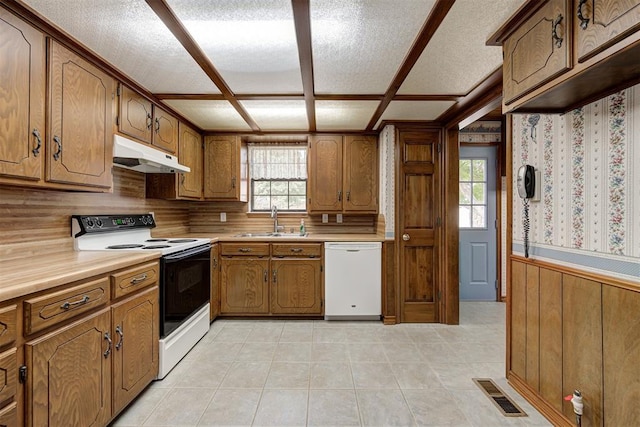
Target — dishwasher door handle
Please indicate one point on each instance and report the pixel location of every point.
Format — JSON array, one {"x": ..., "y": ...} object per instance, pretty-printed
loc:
[{"x": 353, "y": 250}]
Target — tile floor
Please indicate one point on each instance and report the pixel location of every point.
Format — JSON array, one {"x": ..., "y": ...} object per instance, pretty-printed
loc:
[{"x": 318, "y": 373}]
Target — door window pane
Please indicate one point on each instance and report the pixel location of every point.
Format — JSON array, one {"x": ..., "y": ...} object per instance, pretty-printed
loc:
[{"x": 473, "y": 193}]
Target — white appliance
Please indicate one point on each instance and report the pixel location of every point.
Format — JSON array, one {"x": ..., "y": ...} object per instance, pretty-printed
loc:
[
  {"x": 353, "y": 280},
  {"x": 130, "y": 154},
  {"x": 185, "y": 278}
]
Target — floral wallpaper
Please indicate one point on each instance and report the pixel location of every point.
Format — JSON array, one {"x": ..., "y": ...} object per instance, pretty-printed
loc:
[
  {"x": 588, "y": 160},
  {"x": 386, "y": 143}
]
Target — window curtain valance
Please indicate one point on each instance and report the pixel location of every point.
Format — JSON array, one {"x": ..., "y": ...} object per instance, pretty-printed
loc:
[{"x": 277, "y": 161}]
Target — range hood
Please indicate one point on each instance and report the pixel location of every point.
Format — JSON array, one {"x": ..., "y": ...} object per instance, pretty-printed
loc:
[{"x": 143, "y": 158}]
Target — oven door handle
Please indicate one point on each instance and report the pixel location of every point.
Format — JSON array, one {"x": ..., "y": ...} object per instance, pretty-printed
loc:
[{"x": 186, "y": 253}]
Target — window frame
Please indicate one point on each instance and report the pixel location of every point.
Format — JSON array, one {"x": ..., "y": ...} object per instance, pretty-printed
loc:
[{"x": 471, "y": 203}]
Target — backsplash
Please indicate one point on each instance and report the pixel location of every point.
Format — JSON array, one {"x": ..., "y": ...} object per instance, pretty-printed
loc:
[{"x": 589, "y": 204}]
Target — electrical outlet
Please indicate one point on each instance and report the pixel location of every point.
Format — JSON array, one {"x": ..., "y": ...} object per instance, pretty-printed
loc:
[
  {"x": 223, "y": 217},
  {"x": 339, "y": 218},
  {"x": 325, "y": 218}
]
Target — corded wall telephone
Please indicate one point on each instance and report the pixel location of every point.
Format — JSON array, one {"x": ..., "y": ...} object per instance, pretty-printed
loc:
[{"x": 526, "y": 181}]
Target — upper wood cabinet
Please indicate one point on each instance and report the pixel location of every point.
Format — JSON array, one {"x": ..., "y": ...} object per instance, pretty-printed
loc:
[
  {"x": 184, "y": 185},
  {"x": 602, "y": 23},
  {"x": 80, "y": 134},
  {"x": 537, "y": 51},
  {"x": 141, "y": 119},
  {"x": 562, "y": 54},
  {"x": 343, "y": 174},
  {"x": 225, "y": 168},
  {"x": 22, "y": 83}
]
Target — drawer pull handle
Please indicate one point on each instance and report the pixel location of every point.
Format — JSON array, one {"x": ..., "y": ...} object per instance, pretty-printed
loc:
[
  {"x": 348, "y": 196},
  {"x": 67, "y": 305},
  {"x": 121, "y": 334},
  {"x": 554, "y": 32},
  {"x": 58, "y": 151},
  {"x": 149, "y": 121},
  {"x": 139, "y": 279},
  {"x": 157, "y": 126},
  {"x": 296, "y": 250},
  {"x": 584, "y": 22},
  {"x": 244, "y": 250},
  {"x": 108, "y": 350},
  {"x": 266, "y": 276},
  {"x": 275, "y": 276},
  {"x": 339, "y": 196},
  {"x": 36, "y": 150}
]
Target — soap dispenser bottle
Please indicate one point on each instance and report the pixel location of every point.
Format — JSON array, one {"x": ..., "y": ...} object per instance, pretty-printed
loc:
[{"x": 302, "y": 229}]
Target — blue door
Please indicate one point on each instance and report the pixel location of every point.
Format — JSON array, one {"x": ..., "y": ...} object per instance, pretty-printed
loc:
[{"x": 477, "y": 222}]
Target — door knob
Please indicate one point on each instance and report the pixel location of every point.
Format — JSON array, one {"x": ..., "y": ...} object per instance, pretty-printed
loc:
[{"x": 406, "y": 237}]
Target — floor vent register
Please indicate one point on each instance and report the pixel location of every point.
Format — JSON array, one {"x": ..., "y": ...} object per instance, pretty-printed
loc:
[{"x": 507, "y": 406}]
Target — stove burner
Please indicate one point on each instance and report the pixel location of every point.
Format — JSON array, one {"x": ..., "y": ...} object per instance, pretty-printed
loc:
[
  {"x": 156, "y": 247},
  {"x": 181, "y": 240},
  {"x": 156, "y": 240},
  {"x": 125, "y": 246}
]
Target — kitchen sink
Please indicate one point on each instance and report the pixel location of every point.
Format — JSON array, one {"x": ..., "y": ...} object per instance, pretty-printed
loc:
[{"x": 272, "y": 234}]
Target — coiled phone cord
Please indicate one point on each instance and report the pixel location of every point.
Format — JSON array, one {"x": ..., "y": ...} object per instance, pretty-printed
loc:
[{"x": 525, "y": 226}]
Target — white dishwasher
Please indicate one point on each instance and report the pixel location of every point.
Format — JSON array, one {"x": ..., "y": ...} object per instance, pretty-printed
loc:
[{"x": 352, "y": 282}]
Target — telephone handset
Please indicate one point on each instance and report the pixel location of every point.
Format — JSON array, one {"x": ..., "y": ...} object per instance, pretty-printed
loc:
[{"x": 526, "y": 181}]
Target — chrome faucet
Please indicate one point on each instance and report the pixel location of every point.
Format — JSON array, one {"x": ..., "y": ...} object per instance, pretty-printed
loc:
[{"x": 274, "y": 215}]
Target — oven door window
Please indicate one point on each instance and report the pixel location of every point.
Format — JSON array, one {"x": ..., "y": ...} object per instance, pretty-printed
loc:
[{"x": 185, "y": 288}]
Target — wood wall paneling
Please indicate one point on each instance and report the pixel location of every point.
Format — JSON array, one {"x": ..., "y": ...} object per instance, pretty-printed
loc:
[
  {"x": 389, "y": 292},
  {"x": 533, "y": 327},
  {"x": 551, "y": 337},
  {"x": 518, "y": 319},
  {"x": 621, "y": 339},
  {"x": 582, "y": 346}
]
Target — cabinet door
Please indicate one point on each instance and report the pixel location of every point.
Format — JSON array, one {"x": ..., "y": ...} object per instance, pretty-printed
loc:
[
  {"x": 80, "y": 137},
  {"x": 602, "y": 23},
  {"x": 325, "y": 173},
  {"x": 223, "y": 175},
  {"x": 69, "y": 381},
  {"x": 135, "y": 117},
  {"x": 296, "y": 286},
  {"x": 537, "y": 51},
  {"x": 215, "y": 282},
  {"x": 22, "y": 103},
  {"x": 135, "y": 326},
  {"x": 190, "y": 154},
  {"x": 244, "y": 286},
  {"x": 165, "y": 130},
  {"x": 360, "y": 174}
]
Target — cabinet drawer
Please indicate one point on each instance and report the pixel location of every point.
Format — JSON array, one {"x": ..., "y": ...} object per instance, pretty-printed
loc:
[
  {"x": 9, "y": 415},
  {"x": 8, "y": 322},
  {"x": 50, "y": 309},
  {"x": 312, "y": 250},
  {"x": 8, "y": 377},
  {"x": 131, "y": 280},
  {"x": 245, "y": 249}
]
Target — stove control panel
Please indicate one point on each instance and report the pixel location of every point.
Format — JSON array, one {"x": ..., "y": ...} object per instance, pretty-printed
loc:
[{"x": 83, "y": 224}]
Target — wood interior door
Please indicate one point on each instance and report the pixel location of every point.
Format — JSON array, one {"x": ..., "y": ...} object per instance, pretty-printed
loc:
[
  {"x": 70, "y": 376},
  {"x": 136, "y": 324},
  {"x": 22, "y": 67},
  {"x": 418, "y": 207}
]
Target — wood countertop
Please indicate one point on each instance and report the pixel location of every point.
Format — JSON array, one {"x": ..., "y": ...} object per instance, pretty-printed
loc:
[{"x": 33, "y": 273}]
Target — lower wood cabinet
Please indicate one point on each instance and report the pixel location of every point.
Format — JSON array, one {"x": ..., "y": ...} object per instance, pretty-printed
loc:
[
  {"x": 271, "y": 279},
  {"x": 214, "y": 303},
  {"x": 69, "y": 380},
  {"x": 135, "y": 323}
]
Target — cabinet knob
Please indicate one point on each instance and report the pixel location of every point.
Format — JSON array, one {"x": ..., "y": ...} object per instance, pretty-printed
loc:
[{"x": 406, "y": 237}]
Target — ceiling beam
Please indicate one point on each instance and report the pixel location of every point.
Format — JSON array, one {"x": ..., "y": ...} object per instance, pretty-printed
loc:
[
  {"x": 164, "y": 12},
  {"x": 437, "y": 15},
  {"x": 302, "y": 22}
]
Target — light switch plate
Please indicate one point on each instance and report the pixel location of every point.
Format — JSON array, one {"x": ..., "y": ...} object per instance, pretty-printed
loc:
[
  {"x": 339, "y": 218},
  {"x": 223, "y": 217},
  {"x": 325, "y": 218}
]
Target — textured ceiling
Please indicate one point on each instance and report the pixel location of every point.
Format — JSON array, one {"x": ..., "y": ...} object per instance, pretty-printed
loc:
[{"x": 293, "y": 65}]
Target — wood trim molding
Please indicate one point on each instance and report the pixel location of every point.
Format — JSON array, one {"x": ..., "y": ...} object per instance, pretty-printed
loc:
[
  {"x": 166, "y": 15},
  {"x": 302, "y": 23},
  {"x": 451, "y": 234},
  {"x": 550, "y": 413},
  {"x": 575, "y": 271},
  {"x": 437, "y": 15}
]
